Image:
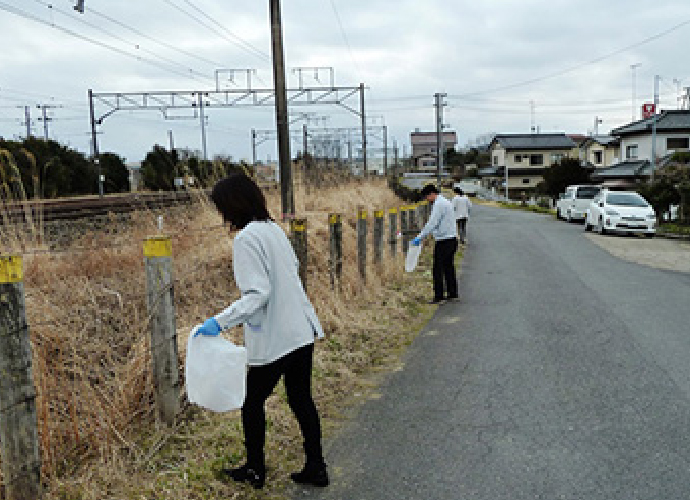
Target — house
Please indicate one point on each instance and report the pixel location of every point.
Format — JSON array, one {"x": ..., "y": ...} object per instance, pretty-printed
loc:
[
  {"x": 523, "y": 158},
  {"x": 424, "y": 147},
  {"x": 672, "y": 135},
  {"x": 600, "y": 151}
]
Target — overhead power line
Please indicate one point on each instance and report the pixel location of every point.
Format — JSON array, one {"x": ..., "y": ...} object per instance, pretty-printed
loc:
[
  {"x": 18, "y": 12},
  {"x": 345, "y": 38},
  {"x": 192, "y": 73},
  {"x": 162, "y": 43},
  {"x": 575, "y": 67},
  {"x": 220, "y": 30}
]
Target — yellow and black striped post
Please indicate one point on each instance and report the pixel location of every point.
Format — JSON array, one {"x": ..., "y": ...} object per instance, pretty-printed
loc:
[
  {"x": 19, "y": 448},
  {"x": 393, "y": 230},
  {"x": 335, "y": 262},
  {"x": 404, "y": 229},
  {"x": 161, "y": 309},
  {"x": 298, "y": 234},
  {"x": 362, "y": 243}
]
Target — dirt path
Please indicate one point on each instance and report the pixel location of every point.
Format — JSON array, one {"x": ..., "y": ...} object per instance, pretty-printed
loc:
[{"x": 661, "y": 253}]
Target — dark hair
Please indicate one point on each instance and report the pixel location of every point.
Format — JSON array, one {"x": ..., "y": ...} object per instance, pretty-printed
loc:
[
  {"x": 458, "y": 190},
  {"x": 239, "y": 200},
  {"x": 428, "y": 189}
]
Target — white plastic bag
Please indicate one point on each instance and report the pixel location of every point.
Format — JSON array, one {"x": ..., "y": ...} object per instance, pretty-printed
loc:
[
  {"x": 412, "y": 257},
  {"x": 215, "y": 372}
]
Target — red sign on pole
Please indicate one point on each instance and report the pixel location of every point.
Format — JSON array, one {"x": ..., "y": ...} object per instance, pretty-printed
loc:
[{"x": 648, "y": 110}]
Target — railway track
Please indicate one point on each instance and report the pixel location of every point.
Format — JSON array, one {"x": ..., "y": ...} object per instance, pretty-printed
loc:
[{"x": 91, "y": 206}]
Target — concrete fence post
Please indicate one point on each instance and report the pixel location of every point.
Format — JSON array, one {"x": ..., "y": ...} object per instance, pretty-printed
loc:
[
  {"x": 298, "y": 235},
  {"x": 412, "y": 218},
  {"x": 362, "y": 243},
  {"x": 393, "y": 230},
  {"x": 19, "y": 448},
  {"x": 404, "y": 229},
  {"x": 335, "y": 262},
  {"x": 160, "y": 300},
  {"x": 378, "y": 237}
]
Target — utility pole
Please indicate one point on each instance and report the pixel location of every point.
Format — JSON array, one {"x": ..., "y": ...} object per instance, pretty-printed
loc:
[
  {"x": 202, "y": 118},
  {"x": 94, "y": 144},
  {"x": 686, "y": 100},
  {"x": 284, "y": 160},
  {"x": 364, "y": 127},
  {"x": 254, "y": 147},
  {"x": 170, "y": 141},
  {"x": 27, "y": 120},
  {"x": 385, "y": 150},
  {"x": 45, "y": 118},
  {"x": 532, "y": 117},
  {"x": 439, "y": 136},
  {"x": 633, "y": 67},
  {"x": 654, "y": 120}
]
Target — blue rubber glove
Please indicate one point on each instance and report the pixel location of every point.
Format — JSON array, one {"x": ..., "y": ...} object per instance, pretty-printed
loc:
[
  {"x": 417, "y": 241},
  {"x": 210, "y": 328}
]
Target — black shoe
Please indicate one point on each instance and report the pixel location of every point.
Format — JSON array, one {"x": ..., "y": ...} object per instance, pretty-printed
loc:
[
  {"x": 437, "y": 301},
  {"x": 246, "y": 474},
  {"x": 313, "y": 474}
]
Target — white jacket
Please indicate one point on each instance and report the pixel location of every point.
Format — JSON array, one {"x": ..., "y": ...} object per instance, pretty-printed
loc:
[
  {"x": 441, "y": 224},
  {"x": 277, "y": 315},
  {"x": 461, "y": 206}
]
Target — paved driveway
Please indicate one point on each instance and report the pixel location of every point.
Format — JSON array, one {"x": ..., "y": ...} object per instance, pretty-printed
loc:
[{"x": 563, "y": 373}]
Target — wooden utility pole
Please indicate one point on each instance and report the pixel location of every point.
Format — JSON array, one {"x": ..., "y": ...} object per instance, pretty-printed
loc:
[
  {"x": 19, "y": 450},
  {"x": 161, "y": 308},
  {"x": 284, "y": 159}
]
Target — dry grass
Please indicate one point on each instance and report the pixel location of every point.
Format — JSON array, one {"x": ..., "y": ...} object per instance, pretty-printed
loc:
[{"x": 87, "y": 314}]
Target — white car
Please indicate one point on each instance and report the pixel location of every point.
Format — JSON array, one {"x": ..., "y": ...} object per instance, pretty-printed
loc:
[
  {"x": 620, "y": 212},
  {"x": 573, "y": 204}
]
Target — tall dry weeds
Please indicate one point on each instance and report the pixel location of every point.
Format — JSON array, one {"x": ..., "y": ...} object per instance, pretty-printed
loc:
[{"x": 89, "y": 331}]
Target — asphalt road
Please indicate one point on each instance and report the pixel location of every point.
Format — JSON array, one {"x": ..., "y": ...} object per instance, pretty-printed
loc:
[{"x": 562, "y": 373}]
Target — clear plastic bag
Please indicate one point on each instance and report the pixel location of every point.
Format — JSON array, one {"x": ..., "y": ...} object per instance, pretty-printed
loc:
[{"x": 215, "y": 373}]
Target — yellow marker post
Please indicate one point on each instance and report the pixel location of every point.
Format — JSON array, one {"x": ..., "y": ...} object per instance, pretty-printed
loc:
[
  {"x": 11, "y": 269},
  {"x": 19, "y": 443},
  {"x": 298, "y": 233},
  {"x": 161, "y": 309},
  {"x": 335, "y": 263},
  {"x": 158, "y": 246}
]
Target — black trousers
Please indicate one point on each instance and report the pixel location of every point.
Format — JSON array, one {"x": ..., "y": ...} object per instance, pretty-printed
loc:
[
  {"x": 444, "y": 268},
  {"x": 462, "y": 228},
  {"x": 295, "y": 368}
]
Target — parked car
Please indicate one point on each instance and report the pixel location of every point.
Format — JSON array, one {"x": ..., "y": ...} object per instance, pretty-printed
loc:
[
  {"x": 573, "y": 204},
  {"x": 621, "y": 212}
]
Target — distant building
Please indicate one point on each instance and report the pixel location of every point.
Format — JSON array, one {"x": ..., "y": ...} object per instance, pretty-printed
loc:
[
  {"x": 424, "y": 148},
  {"x": 600, "y": 151},
  {"x": 525, "y": 157}
]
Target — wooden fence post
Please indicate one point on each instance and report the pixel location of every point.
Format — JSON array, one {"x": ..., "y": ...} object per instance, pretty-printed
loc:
[
  {"x": 393, "y": 230},
  {"x": 362, "y": 243},
  {"x": 404, "y": 229},
  {"x": 335, "y": 262},
  {"x": 19, "y": 448},
  {"x": 298, "y": 235},
  {"x": 161, "y": 309},
  {"x": 378, "y": 237}
]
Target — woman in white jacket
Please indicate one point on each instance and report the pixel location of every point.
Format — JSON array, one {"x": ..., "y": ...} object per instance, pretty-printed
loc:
[{"x": 280, "y": 326}]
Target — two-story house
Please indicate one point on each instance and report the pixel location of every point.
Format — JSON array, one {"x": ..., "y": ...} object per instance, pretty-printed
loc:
[
  {"x": 672, "y": 135},
  {"x": 425, "y": 147},
  {"x": 521, "y": 159}
]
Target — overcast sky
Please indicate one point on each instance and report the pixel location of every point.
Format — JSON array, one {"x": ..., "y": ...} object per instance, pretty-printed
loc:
[{"x": 572, "y": 59}]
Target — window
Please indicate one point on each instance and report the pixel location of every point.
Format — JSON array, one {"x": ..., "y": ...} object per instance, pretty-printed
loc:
[
  {"x": 556, "y": 157},
  {"x": 631, "y": 152},
  {"x": 518, "y": 158},
  {"x": 525, "y": 181},
  {"x": 677, "y": 143},
  {"x": 598, "y": 157},
  {"x": 587, "y": 192},
  {"x": 536, "y": 160},
  {"x": 495, "y": 160}
]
